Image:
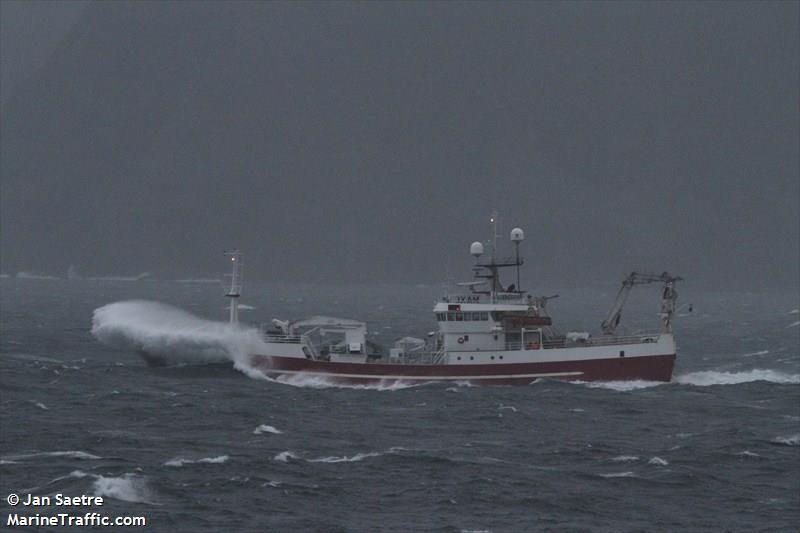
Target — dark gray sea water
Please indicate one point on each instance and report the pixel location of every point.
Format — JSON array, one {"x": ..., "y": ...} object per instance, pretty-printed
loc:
[{"x": 203, "y": 446}]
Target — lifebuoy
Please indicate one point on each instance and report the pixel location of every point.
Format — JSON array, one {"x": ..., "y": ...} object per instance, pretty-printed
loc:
[{"x": 461, "y": 340}]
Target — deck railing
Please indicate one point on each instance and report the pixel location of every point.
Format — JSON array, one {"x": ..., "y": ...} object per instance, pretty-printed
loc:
[
  {"x": 283, "y": 339},
  {"x": 532, "y": 342},
  {"x": 421, "y": 358}
]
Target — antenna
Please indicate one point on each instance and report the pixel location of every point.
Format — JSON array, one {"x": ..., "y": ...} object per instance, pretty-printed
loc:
[
  {"x": 494, "y": 220},
  {"x": 517, "y": 236},
  {"x": 448, "y": 279},
  {"x": 234, "y": 290}
]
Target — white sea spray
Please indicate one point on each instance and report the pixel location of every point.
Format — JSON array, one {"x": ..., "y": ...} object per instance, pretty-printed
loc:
[
  {"x": 711, "y": 377},
  {"x": 264, "y": 428},
  {"x": 180, "y": 461}
]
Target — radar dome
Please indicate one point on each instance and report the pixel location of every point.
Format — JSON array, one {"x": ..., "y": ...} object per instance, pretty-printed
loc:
[
  {"x": 476, "y": 249},
  {"x": 517, "y": 234}
]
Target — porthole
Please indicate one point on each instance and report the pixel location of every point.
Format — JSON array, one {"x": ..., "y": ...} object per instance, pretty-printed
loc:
[
  {"x": 471, "y": 358},
  {"x": 501, "y": 357},
  {"x": 459, "y": 358},
  {"x": 492, "y": 358}
]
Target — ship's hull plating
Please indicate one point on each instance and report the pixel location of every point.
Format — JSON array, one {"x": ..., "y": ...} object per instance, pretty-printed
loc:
[{"x": 649, "y": 368}]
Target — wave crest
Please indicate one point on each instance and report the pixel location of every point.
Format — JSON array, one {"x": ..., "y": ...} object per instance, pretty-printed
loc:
[
  {"x": 618, "y": 474},
  {"x": 711, "y": 377},
  {"x": 625, "y": 458},
  {"x": 180, "y": 461},
  {"x": 284, "y": 457},
  {"x": 263, "y": 428},
  {"x": 622, "y": 386},
  {"x": 322, "y": 382},
  {"x": 791, "y": 440},
  {"x": 346, "y": 459},
  {"x": 128, "y": 488},
  {"x": 72, "y": 454}
]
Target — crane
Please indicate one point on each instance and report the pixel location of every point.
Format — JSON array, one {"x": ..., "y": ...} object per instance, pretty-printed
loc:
[{"x": 669, "y": 298}]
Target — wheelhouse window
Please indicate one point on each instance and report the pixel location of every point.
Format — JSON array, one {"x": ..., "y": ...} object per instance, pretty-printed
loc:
[{"x": 465, "y": 316}]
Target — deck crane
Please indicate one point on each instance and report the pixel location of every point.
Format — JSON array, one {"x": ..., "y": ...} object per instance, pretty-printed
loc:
[{"x": 669, "y": 298}]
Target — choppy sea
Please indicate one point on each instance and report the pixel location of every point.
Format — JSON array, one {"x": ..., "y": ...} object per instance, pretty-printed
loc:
[{"x": 204, "y": 444}]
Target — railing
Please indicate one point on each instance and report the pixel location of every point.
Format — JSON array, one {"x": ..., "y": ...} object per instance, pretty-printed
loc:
[
  {"x": 418, "y": 358},
  {"x": 532, "y": 342},
  {"x": 283, "y": 339},
  {"x": 643, "y": 338}
]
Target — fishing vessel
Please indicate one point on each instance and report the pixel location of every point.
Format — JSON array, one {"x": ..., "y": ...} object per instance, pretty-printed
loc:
[{"x": 488, "y": 334}]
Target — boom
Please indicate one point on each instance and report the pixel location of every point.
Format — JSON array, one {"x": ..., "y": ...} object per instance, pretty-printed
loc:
[{"x": 669, "y": 297}]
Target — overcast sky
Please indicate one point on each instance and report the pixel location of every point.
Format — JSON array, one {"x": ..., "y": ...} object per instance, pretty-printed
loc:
[{"x": 370, "y": 141}]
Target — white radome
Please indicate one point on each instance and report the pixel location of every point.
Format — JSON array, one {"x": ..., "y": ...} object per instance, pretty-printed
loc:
[
  {"x": 517, "y": 235},
  {"x": 476, "y": 249}
]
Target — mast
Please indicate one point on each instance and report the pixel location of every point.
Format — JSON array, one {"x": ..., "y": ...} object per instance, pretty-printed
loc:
[
  {"x": 494, "y": 220},
  {"x": 517, "y": 236},
  {"x": 489, "y": 270},
  {"x": 234, "y": 290}
]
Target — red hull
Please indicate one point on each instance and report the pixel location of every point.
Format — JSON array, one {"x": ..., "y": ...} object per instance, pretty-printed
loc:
[{"x": 648, "y": 368}]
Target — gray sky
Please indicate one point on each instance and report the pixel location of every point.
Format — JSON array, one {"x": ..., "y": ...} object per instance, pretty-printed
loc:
[
  {"x": 29, "y": 32},
  {"x": 350, "y": 142}
]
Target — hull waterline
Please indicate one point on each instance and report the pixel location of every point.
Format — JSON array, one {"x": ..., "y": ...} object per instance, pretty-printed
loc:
[{"x": 647, "y": 368}]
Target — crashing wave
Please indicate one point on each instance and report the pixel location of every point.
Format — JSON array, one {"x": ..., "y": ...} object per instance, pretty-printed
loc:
[
  {"x": 166, "y": 335},
  {"x": 128, "y": 488}
]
